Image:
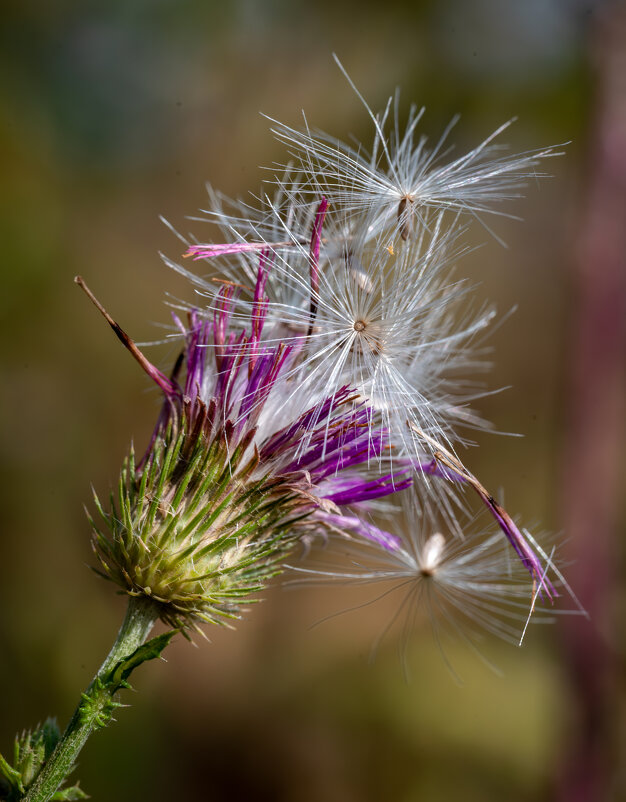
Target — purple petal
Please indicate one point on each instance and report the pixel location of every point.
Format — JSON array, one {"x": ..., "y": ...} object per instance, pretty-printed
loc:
[{"x": 354, "y": 525}]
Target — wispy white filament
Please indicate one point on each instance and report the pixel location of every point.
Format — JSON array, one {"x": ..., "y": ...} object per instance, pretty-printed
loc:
[{"x": 400, "y": 180}]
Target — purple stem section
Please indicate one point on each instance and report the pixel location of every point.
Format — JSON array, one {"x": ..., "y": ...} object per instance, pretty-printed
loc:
[
  {"x": 352, "y": 524},
  {"x": 362, "y": 490}
]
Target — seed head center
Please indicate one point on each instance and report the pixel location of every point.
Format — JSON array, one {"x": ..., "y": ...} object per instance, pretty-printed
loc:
[
  {"x": 359, "y": 325},
  {"x": 432, "y": 555}
]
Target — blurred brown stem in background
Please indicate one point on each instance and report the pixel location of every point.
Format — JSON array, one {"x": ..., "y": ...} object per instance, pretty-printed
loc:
[{"x": 593, "y": 475}]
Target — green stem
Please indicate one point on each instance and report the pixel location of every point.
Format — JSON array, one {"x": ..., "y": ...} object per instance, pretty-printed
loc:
[{"x": 96, "y": 702}]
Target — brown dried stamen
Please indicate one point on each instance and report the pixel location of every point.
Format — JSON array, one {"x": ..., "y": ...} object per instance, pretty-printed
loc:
[{"x": 405, "y": 216}]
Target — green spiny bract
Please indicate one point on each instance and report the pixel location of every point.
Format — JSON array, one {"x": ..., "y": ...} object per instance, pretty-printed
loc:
[
  {"x": 195, "y": 528},
  {"x": 32, "y": 749}
]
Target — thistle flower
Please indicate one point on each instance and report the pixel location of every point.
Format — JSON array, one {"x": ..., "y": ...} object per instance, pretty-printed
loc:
[
  {"x": 331, "y": 366},
  {"x": 226, "y": 488},
  {"x": 401, "y": 180}
]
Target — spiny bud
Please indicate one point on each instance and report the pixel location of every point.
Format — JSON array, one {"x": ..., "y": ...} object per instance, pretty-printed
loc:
[{"x": 192, "y": 529}]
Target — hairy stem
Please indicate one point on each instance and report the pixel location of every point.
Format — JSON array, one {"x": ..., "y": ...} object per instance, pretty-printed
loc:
[{"x": 96, "y": 703}]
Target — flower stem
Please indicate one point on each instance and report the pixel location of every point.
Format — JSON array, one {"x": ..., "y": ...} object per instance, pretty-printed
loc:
[{"x": 97, "y": 702}]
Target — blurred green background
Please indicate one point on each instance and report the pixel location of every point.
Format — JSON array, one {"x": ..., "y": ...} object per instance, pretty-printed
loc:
[{"x": 115, "y": 113}]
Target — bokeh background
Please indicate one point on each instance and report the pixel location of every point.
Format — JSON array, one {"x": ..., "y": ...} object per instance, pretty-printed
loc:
[{"x": 116, "y": 113}]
